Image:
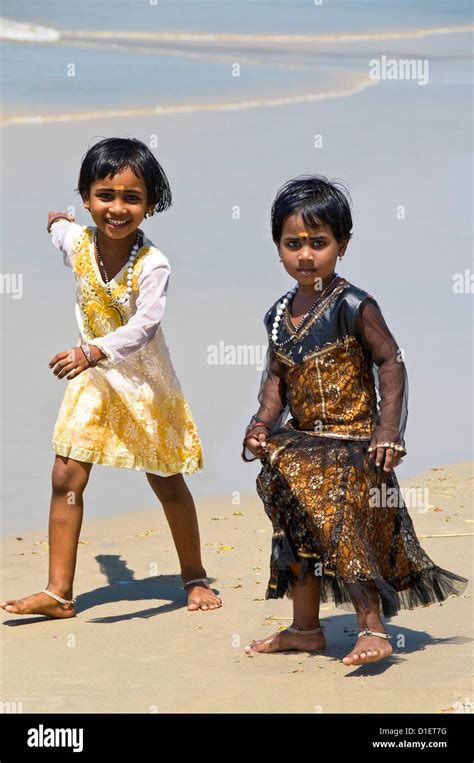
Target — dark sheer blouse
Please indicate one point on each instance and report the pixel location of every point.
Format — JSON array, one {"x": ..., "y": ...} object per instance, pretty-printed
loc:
[{"x": 383, "y": 357}]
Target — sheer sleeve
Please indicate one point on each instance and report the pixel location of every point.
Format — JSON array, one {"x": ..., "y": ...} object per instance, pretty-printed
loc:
[
  {"x": 143, "y": 325},
  {"x": 272, "y": 398},
  {"x": 389, "y": 371},
  {"x": 64, "y": 233}
]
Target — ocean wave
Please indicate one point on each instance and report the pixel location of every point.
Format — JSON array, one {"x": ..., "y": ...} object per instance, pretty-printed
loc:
[
  {"x": 228, "y": 37},
  {"x": 24, "y": 32},
  {"x": 29, "y": 32},
  {"x": 353, "y": 87}
]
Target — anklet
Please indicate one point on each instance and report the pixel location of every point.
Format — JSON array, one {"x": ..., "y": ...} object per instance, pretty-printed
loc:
[
  {"x": 196, "y": 580},
  {"x": 299, "y": 630},
  {"x": 59, "y": 598},
  {"x": 373, "y": 633}
]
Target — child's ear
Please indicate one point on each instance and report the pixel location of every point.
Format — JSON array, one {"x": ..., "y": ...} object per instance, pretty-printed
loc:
[
  {"x": 343, "y": 247},
  {"x": 277, "y": 244}
]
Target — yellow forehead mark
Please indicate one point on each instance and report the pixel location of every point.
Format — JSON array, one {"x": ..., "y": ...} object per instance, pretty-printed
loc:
[
  {"x": 118, "y": 187},
  {"x": 303, "y": 235}
]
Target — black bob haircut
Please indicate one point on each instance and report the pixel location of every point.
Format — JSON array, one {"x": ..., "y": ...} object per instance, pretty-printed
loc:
[
  {"x": 112, "y": 155},
  {"x": 318, "y": 201}
]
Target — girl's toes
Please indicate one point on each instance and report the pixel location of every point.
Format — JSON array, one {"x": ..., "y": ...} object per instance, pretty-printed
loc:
[{"x": 354, "y": 658}]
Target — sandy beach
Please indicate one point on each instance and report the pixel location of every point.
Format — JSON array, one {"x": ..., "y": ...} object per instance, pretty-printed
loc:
[{"x": 135, "y": 648}]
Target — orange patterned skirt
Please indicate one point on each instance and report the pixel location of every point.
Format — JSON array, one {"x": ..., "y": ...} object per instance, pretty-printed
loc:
[{"x": 338, "y": 516}]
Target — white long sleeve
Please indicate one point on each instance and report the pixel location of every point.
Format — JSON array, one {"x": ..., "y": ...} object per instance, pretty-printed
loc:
[
  {"x": 143, "y": 325},
  {"x": 151, "y": 299},
  {"x": 63, "y": 235}
]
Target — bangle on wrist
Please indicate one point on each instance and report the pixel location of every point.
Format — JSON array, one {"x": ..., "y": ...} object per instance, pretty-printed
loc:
[
  {"x": 87, "y": 350},
  {"x": 55, "y": 218},
  {"x": 252, "y": 431},
  {"x": 393, "y": 445}
]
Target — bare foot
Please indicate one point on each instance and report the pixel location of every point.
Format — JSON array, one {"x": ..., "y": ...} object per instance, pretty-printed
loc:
[
  {"x": 201, "y": 597},
  {"x": 368, "y": 649},
  {"x": 39, "y": 604},
  {"x": 285, "y": 640}
]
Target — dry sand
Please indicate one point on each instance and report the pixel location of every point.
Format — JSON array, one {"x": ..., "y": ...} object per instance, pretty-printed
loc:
[{"x": 134, "y": 647}]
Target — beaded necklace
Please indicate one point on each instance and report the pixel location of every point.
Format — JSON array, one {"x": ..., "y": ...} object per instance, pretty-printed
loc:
[
  {"x": 284, "y": 306},
  {"x": 137, "y": 245}
]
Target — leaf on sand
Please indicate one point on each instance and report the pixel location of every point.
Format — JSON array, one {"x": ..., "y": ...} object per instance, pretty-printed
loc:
[{"x": 223, "y": 547}]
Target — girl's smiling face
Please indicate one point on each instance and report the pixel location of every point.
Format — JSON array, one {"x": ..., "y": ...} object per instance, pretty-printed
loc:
[
  {"x": 118, "y": 204},
  {"x": 308, "y": 253}
]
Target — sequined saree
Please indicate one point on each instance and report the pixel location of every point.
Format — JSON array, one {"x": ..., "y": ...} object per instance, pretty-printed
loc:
[{"x": 335, "y": 514}]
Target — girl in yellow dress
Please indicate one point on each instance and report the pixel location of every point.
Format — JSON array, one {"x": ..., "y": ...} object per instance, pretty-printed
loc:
[
  {"x": 341, "y": 530},
  {"x": 123, "y": 406}
]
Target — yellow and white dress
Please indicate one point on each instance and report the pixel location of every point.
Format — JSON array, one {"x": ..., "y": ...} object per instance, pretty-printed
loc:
[{"x": 129, "y": 410}]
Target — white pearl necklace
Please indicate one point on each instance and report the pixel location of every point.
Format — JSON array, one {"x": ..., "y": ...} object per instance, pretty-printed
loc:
[
  {"x": 137, "y": 245},
  {"x": 284, "y": 305},
  {"x": 279, "y": 313}
]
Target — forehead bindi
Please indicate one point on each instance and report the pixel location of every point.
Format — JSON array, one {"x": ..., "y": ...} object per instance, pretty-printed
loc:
[
  {"x": 294, "y": 227},
  {"x": 122, "y": 182}
]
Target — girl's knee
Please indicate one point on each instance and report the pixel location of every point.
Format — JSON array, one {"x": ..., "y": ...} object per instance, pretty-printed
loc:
[
  {"x": 171, "y": 488},
  {"x": 69, "y": 475}
]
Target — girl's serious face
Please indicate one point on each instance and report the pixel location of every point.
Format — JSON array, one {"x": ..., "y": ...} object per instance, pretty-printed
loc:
[
  {"x": 308, "y": 253},
  {"x": 118, "y": 204}
]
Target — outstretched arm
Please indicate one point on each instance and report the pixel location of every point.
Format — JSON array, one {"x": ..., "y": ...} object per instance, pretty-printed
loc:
[{"x": 64, "y": 231}]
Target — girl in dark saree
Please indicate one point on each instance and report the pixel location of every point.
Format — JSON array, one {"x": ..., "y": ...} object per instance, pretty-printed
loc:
[{"x": 341, "y": 530}]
